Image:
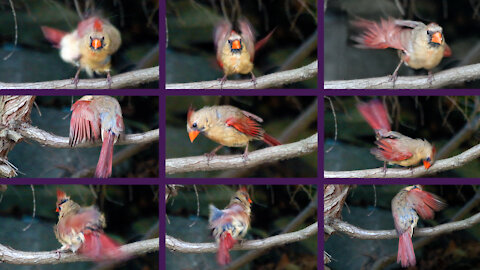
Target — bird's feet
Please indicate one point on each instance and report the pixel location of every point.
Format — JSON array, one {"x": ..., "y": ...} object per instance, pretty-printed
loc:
[
  {"x": 109, "y": 80},
  {"x": 254, "y": 81},
  {"x": 209, "y": 156},
  {"x": 76, "y": 79},
  {"x": 430, "y": 78},
  {"x": 393, "y": 78},
  {"x": 222, "y": 81}
]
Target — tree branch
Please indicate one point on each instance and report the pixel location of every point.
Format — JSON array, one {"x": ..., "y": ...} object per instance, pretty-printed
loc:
[
  {"x": 453, "y": 76},
  {"x": 267, "y": 81},
  {"x": 360, "y": 233},
  {"x": 269, "y": 154},
  {"x": 12, "y": 256},
  {"x": 124, "y": 80},
  {"x": 48, "y": 139},
  {"x": 178, "y": 245},
  {"x": 439, "y": 166}
]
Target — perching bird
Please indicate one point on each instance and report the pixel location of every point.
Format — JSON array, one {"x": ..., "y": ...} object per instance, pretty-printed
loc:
[
  {"x": 409, "y": 202},
  {"x": 89, "y": 47},
  {"x": 236, "y": 51},
  {"x": 230, "y": 224},
  {"x": 80, "y": 230},
  {"x": 418, "y": 45},
  {"x": 392, "y": 146},
  {"x": 228, "y": 126},
  {"x": 94, "y": 118}
]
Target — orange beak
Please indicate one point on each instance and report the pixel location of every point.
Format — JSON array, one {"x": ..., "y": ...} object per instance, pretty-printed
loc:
[
  {"x": 236, "y": 45},
  {"x": 96, "y": 43},
  {"x": 57, "y": 210},
  {"x": 437, "y": 38},
  {"x": 426, "y": 164},
  {"x": 249, "y": 200},
  {"x": 193, "y": 134}
]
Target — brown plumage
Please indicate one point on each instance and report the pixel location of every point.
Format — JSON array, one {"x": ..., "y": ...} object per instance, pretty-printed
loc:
[
  {"x": 228, "y": 126},
  {"x": 394, "y": 147},
  {"x": 419, "y": 45}
]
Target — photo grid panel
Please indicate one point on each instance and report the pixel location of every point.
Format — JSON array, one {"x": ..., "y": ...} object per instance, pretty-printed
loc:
[
  {"x": 401, "y": 114},
  {"x": 194, "y": 100}
]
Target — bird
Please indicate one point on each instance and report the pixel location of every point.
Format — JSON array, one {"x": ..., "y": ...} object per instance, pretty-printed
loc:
[
  {"x": 410, "y": 202},
  {"x": 89, "y": 47},
  {"x": 236, "y": 50},
  {"x": 228, "y": 126},
  {"x": 394, "y": 147},
  {"x": 230, "y": 224},
  {"x": 80, "y": 230},
  {"x": 97, "y": 118},
  {"x": 419, "y": 45}
]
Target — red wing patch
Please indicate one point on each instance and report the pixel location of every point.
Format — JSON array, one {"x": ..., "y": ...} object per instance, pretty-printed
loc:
[
  {"x": 389, "y": 150},
  {"x": 245, "y": 125}
]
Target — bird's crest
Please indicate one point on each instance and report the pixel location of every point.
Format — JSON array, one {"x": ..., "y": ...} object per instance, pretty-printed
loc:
[{"x": 98, "y": 25}]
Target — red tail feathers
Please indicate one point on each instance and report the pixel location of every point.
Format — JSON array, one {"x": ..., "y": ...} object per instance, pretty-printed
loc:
[
  {"x": 226, "y": 243},
  {"x": 406, "y": 255},
  {"x": 375, "y": 114},
  {"x": 386, "y": 34},
  {"x": 270, "y": 140},
  {"x": 53, "y": 35},
  {"x": 98, "y": 246},
  {"x": 104, "y": 165}
]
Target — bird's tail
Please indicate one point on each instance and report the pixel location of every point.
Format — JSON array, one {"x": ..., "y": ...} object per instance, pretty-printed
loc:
[
  {"x": 53, "y": 35},
  {"x": 270, "y": 140},
  {"x": 97, "y": 246},
  {"x": 104, "y": 165},
  {"x": 406, "y": 255},
  {"x": 378, "y": 35},
  {"x": 375, "y": 114},
  {"x": 226, "y": 243}
]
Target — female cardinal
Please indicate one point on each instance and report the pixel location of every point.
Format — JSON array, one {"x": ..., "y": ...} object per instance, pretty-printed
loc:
[
  {"x": 418, "y": 45},
  {"x": 405, "y": 206},
  {"x": 228, "y": 126},
  {"x": 88, "y": 47},
  {"x": 230, "y": 224},
  {"x": 80, "y": 229},
  {"x": 235, "y": 52},
  {"x": 393, "y": 147},
  {"x": 95, "y": 117}
]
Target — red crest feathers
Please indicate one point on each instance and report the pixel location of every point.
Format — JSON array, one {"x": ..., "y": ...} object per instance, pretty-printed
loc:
[
  {"x": 60, "y": 194},
  {"x": 98, "y": 25},
  {"x": 189, "y": 114}
]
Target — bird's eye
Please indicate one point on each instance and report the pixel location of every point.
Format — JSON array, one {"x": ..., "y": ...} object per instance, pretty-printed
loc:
[{"x": 194, "y": 125}]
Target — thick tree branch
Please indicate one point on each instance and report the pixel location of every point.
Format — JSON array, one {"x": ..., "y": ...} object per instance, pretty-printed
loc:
[
  {"x": 439, "y": 166},
  {"x": 124, "y": 80},
  {"x": 267, "y": 81},
  {"x": 449, "y": 77},
  {"x": 269, "y": 154},
  {"x": 12, "y": 256},
  {"x": 360, "y": 233},
  {"x": 48, "y": 139},
  {"x": 178, "y": 245}
]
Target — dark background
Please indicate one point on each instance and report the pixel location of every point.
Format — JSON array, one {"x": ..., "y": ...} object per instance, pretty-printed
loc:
[
  {"x": 437, "y": 119},
  {"x": 191, "y": 54},
  {"x": 131, "y": 214},
  {"x": 273, "y": 207},
  {"x": 140, "y": 114},
  {"x": 369, "y": 207},
  {"x": 36, "y": 60},
  {"x": 459, "y": 20},
  {"x": 277, "y": 113}
]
